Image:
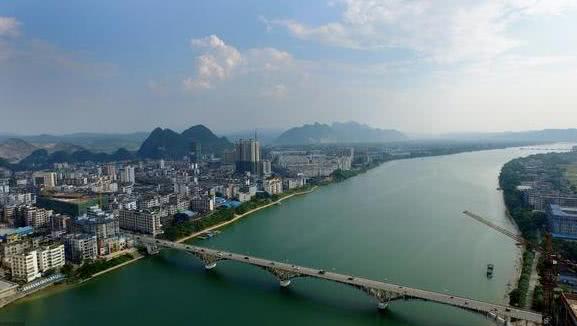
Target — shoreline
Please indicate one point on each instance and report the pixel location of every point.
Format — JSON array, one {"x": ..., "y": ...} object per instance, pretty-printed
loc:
[
  {"x": 63, "y": 286},
  {"x": 238, "y": 217},
  {"x": 56, "y": 288}
]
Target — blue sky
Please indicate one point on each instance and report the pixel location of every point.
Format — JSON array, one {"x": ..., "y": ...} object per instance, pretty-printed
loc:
[{"x": 415, "y": 65}]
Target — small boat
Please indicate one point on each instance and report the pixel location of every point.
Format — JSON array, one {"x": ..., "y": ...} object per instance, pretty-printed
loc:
[{"x": 490, "y": 269}]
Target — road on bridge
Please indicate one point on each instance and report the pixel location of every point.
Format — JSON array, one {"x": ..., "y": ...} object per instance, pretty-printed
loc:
[{"x": 494, "y": 310}]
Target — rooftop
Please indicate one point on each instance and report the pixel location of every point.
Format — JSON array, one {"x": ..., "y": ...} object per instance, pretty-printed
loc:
[{"x": 563, "y": 211}]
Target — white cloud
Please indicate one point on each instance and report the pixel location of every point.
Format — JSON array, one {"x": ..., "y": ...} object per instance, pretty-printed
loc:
[
  {"x": 277, "y": 91},
  {"x": 9, "y": 26},
  {"x": 444, "y": 31},
  {"x": 217, "y": 63},
  {"x": 220, "y": 62}
]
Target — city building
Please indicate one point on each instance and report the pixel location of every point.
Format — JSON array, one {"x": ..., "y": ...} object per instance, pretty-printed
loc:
[
  {"x": 247, "y": 156},
  {"x": 10, "y": 235},
  {"x": 229, "y": 156},
  {"x": 79, "y": 247},
  {"x": 292, "y": 183},
  {"x": 272, "y": 185},
  {"x": 202, "y": 204},
  {"x": 45, "y": 179},
  {"x": 71, "y": 204},
  {"x": 35, "y": 217},
  {"x": 196, "y": 151},
  {"x": 59, "y": 222},
  {"x": 98, "y": 223},
  {"x": 50, "y": 257},
  {"x": 313, "y": 165},
  {"x": 562, "y": 221},
  {"x": 25, "y": 266},
  {"x": 127, "y": 175},
  {"x": 147, "y": 222},
  {"x": 265, "y": 168},
  {"x": 110, "y": 171}
]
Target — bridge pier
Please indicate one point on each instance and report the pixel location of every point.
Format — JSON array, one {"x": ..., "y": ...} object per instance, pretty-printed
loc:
[
  {"x": 285, "y": 283},
  {"x": 208, "y": 260},
  {"x": 283, "y": 276},
  {"x": 383, "y": 297},
  {"x": 210, "y": 266},
  {"x": 151, "y": 249},
  {"x": 382, "y": 306}
]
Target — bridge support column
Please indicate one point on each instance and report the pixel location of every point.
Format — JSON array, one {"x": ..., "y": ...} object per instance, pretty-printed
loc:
[
  {"x": 383, "y": 297},
  {"x": 285, "y": 283},
  {"x": 209, "y": 261},
  {"x": 382, "y": 306},
  {"x": 283, "y": 276},
  {"x": 210, "y": 266},
  {"x": 151, "y": 249}
]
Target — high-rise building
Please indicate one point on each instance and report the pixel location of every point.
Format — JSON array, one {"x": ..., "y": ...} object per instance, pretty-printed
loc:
[
  {"x": 145, "y": 221},
  {"x": 79, "y": 247},
  {"x": 229, "y": 156},
  {"x": 50, "y": 257},
  {"x": 266, "y": 168},
  {"x": 59, "y": 222},
  {"x": 202, "y": 204},
  {"x": 272, "y": 185},
  {"x": 35, "y": 217},
  {"x": 45, "y": 179},
  {"x": 110, "y": 170},
  {"x": 25, "y": 266},
  {"x": 247, "y": 156},
  {"x": 96, "y": 222},
  {"x": 127, "y": 175},
  {"x": 196, "y": 151}
]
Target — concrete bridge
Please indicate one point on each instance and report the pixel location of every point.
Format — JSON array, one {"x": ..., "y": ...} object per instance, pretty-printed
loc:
[{"x": 383, "y": 293}]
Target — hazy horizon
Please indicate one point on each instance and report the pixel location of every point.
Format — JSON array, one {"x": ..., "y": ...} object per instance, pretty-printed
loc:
[
  {"x": 267, "y": 131},
  {"x": 415, "y": 66}
]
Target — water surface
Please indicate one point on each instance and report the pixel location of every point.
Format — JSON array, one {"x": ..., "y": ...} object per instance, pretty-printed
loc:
[{"x": 400, "y": 222}]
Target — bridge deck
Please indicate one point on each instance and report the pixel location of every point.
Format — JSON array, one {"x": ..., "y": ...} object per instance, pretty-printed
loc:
[{"x": 467, "y": 303}]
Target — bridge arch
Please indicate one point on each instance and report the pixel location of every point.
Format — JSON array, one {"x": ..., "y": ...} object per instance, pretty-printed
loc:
[{"x": 384, "y": 293}]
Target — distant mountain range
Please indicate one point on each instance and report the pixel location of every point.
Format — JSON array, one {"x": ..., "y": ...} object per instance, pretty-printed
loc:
[
  {"x": 166, "y": 143},
  {"x": 92, "y": 141},
  {"x": 15, "y": 149},
  {"x": 348, "y": 132},
  {"x": 18, "y": 154},
  {"x": 32, "y": 152}
]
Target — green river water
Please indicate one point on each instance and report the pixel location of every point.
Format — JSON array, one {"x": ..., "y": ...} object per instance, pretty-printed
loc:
[{"x": 400, "y": 222}]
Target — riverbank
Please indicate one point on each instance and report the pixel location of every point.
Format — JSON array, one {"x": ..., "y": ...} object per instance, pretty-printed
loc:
[
  {"x": 51, "y": 289},
  {"x": 60, "y": 287},
  {"x": 529, "y": 225},
  {"x": 357, "y": 227},
  {"x": 238, "y": 217}
]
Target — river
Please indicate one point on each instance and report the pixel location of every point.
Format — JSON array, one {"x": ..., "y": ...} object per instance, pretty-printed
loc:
[{"x": 400, "y": 222}]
